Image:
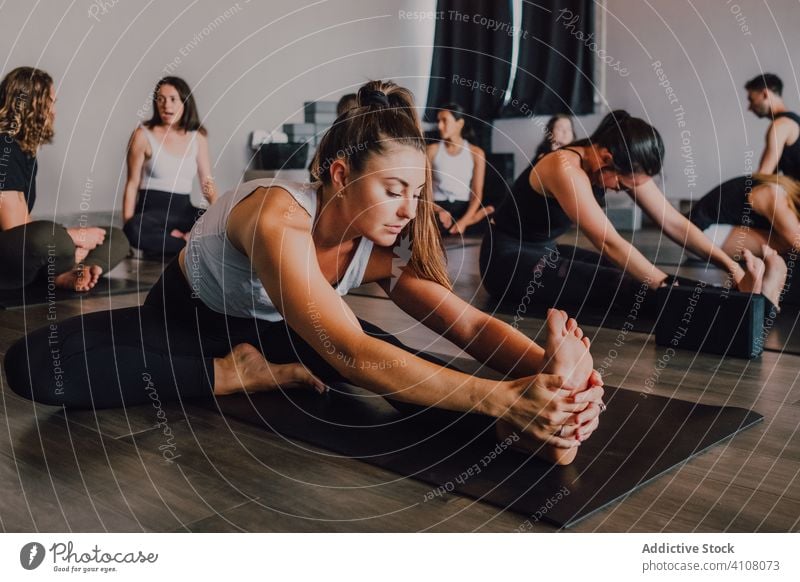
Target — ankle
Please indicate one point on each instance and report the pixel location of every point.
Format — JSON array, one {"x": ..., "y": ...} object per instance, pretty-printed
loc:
[{"x": 224, "y": 375}]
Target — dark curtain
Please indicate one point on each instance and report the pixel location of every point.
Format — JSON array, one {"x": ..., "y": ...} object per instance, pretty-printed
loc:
[
  {"x": 556, "y": 59},
  {"x": 471, "y": 57}
]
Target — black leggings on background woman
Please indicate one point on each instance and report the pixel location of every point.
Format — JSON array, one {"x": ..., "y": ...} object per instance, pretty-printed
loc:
[
  {"x": 34, "y": 251},
  {"x": 158, "y": 213}
]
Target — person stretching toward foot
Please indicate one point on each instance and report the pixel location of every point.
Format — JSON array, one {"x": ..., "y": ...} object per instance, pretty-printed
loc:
[
  {"x": 567, "y": 187},
  {"x": 291, "y": 250}
]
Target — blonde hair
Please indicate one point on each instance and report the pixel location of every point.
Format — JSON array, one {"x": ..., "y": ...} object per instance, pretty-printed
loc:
[
  {"x": 789, "y": 185},
  {"x": 385, "y": 114},
  {"x": 25, "y": 108}
]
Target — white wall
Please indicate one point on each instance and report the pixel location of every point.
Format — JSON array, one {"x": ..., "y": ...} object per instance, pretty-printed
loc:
[
  {"x": 257, "y": 66},
  {"x": 707, "y": 54},
  {"x": 252, "y": 70}
]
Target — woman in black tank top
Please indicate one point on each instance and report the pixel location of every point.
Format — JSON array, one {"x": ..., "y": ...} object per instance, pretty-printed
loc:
[
  {"x": 764, "y": 209},
  {"x": 521, "y": 262}
]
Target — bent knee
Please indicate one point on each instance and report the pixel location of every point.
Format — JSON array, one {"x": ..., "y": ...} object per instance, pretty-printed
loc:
[{"x": 28, "y": 378}]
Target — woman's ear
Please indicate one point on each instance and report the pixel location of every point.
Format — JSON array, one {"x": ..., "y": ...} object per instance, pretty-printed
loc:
[{"x": 339, "y": 174}]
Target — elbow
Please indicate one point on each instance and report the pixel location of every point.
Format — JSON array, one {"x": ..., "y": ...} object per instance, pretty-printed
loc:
[{"x": 347, "y": 358}]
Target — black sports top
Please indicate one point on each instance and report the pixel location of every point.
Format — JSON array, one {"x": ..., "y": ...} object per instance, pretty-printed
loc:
[
  {"x": 728, "y": 204},
  {"x": 789, "y": 163},
  {"x": 530, "y": 216},
  {"x": 17, "y": 169}
]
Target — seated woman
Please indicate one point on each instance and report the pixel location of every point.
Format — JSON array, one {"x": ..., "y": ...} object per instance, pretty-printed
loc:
[
  {"x": 521, "y": 262},
  {"x": 269, "y": 267},
  {"x": 41, "y": 250},
  {"x": 458, "y": 169},
  {"x": 749, "y": 212},
  {"x": 558, "y": 132},
  {"x": 164, "y": 154}
]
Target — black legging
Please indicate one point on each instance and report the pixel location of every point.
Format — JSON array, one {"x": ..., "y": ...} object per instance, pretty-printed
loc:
[
  {"x": 157, "y": 214},
  {"x": 118, "y": 358},
  {"x": 516, "y": 272},
  {"x": 33, "y": 251}
]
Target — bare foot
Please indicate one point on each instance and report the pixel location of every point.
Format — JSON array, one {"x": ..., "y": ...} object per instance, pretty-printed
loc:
[
  {"x": 567, "y": 355},
  {"x": 246, "y": 369},
  {"x": 178, "y": 234},
  {"x": 774, "y": 274},
  {"x": 80, "y": 255},
  {"x": 81, "y": 278},
  {"x": 566, "y": 351},
  {"x": 754, "y": 274}
]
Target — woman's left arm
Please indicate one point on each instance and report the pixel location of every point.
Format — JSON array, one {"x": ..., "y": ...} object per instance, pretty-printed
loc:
[
  {"x": 680, "y": 229},
  {"x": 204, "y": 169}
]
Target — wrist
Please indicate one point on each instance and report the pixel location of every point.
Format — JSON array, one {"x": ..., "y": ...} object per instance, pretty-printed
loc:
[{"x": 491, "y": 397}]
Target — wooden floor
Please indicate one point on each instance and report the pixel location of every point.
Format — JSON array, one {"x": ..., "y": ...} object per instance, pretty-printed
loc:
[{"x": 86, "y": 471}]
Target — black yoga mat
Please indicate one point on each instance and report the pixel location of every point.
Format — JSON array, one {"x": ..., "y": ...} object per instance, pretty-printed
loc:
[
  {"x": 640, "y": 437},
  {"x": 38, "y": 294}
]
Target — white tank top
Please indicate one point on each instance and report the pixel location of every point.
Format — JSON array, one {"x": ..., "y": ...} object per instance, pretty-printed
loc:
[
  {"x": 166, "y": 171},
  {"x": 452, "y": 175},
  {"x": 224, "y": 279}
]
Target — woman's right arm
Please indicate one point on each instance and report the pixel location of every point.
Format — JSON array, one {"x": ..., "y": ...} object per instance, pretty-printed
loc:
[
  {"x": 571, "y": 187},
  {"x": 137, "y": 148},
  {"x": 276, "y": 234}
]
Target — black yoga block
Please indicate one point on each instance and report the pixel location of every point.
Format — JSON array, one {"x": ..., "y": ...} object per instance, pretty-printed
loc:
[
  {"x": 282, "y": 156},
  {"x": 710, "y": 319}
]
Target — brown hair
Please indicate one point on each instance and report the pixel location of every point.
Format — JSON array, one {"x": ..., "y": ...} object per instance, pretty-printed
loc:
[
  {"x": 789, "y": 185},
  {"x": 190, "y": 120},
  {"x": 25, "y": 108},
  {"x": 386, "y": 113}
]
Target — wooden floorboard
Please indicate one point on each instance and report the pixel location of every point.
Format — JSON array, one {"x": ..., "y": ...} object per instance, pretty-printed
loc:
[{"x": 105, "y": 471}]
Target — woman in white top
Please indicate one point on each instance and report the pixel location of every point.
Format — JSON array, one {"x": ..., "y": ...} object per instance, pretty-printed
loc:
[
  {"x": 459, "y": 168},
  {"x": 164, "y": 154},
  {"x": 254, "y": 302}
]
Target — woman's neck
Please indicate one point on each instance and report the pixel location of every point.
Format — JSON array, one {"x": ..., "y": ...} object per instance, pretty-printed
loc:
[
  {"x": 454, "y": 142},
  {"x": 331, "y": 227},
  {"x": 590, "y": 158},
  {"x": 173, "y": 129}
]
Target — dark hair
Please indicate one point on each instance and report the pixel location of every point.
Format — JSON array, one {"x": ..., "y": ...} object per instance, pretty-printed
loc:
[
  {"x": 547, "y": 143},
  {"x": 386, "y": 114},
  {"x": 635, "y": 146},
  {"x": 346, "y": 102},
  {"x": 190, "y": 120},
  {"x": 458, "y": 113},
  {"x": 765, "y": 81}
]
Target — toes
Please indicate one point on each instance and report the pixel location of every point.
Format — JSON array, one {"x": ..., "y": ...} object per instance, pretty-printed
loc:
[
  {"x": 571, "y": 324},
  {"x": 586, "y": 342},
  {"x": 578, "y": 332},
  {"x": 748, "y": 259}
]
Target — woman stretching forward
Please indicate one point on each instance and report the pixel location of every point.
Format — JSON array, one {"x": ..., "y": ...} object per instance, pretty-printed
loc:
[{"x": 267, "y": 265}]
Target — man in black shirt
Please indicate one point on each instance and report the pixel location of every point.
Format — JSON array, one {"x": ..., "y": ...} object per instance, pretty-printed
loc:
[{"x": 782, "y": 153}]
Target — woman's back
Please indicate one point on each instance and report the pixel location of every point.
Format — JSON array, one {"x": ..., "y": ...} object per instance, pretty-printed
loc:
[
  {"x": 531, "y": 216},
  {"x": 224, "y": 278}
]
